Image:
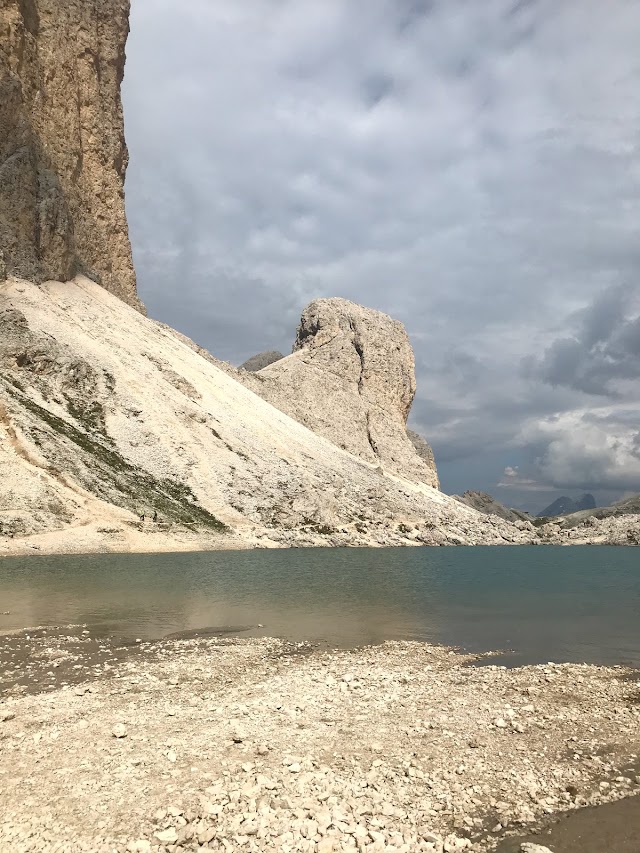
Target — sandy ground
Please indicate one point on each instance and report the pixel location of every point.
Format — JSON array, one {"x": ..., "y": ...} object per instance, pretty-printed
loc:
[
  {"x": 261, "y": 745},
  {"x": 123, "y": 537}
]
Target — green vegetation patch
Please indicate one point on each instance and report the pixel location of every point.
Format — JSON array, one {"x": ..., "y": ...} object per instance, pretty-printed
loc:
[{"x": 137, "y": 489}]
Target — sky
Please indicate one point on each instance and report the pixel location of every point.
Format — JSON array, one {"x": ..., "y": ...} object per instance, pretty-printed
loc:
[{"x": 471, "y": 168}]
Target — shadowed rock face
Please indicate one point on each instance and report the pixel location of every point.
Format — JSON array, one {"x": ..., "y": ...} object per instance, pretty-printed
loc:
[
  {"x": 425, "y": 452},
  {"x": 260, "y": 360},
  {"x": 351, "y": 379},
  {"x": 63, "y": 156},
  {"x": 566, "y": 505},
  {"x": 484, "y": 503}
]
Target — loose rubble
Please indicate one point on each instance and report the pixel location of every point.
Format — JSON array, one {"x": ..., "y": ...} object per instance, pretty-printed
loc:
[
  {"x": 613, "y": 530},
  {"x": 262, "y": 745}
]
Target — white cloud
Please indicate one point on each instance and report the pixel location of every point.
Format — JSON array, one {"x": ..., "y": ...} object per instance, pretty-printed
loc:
[
  {"x": 594, "y": 449},
  {"x": 513, "y": 479}
]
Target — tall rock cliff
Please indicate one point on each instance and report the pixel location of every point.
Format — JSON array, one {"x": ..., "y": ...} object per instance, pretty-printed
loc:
[
  {"x": 63, "y": 156},
  {"x": 351, "y": 378}
]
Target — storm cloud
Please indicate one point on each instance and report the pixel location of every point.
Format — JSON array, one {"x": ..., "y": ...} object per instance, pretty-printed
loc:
[
  {"x": 603, "y": 356},
  {"x": 470, "y": 168}
]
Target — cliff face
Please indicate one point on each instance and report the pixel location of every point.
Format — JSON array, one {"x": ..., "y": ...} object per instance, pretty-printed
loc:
[
  {"x": 351, "y": 379},
  {"x": 63, "y": 156}
]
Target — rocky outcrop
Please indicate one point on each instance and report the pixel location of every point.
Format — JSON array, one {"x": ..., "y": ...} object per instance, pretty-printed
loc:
[
  {"x": 106, "y": 415},
  {"x": 351, "y": 379},
  {"x": 594, "y": 529},
  {"x": 63, "y": 156},
  {"x": 425, "y": 452},
  {"x": 260, "y": 360},
  {"x": 622, "y": 510},
  {"x": 483, "y": 502}
]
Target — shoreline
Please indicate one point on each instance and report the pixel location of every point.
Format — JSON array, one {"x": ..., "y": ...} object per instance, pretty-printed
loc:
[
  {"x": 262, "y": 744},
  {"x": 52, "y": 544},
  {"x": 122, "y": 539}
]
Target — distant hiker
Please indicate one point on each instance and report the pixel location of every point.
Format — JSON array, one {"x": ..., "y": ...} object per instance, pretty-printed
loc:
[
  {"x": 142, "y": 517},
  {"x": 155, "y": 516}
]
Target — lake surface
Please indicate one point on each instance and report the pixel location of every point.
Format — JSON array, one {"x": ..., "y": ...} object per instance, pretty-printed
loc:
[{"x": 545, "y": 603}]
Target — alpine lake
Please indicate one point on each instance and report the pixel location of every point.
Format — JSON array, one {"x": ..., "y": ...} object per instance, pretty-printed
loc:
[{"x": 527, "y": 604}]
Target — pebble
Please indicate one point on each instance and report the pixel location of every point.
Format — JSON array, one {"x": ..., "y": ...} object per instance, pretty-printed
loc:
[
  {"x": 323, "y": 790},
  {"x": 139, "y": 846},
  {"x": 167, "y": 835}
]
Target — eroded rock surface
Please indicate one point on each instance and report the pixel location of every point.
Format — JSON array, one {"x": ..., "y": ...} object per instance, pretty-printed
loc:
[
  {"x": 487, "y": 504},
  {"x": 107, "y": 416},
  {"x": 63, "y": 156},
  {"x": 351, "y": 379},
  {"x": 425, "y": 452}
]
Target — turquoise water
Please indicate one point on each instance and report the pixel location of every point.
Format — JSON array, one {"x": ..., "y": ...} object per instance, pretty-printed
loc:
[{"x": 545, "y": 603}]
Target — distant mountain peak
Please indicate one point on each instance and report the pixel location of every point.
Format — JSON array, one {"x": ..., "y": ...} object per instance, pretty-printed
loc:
[{"x": 565, "y": 505}]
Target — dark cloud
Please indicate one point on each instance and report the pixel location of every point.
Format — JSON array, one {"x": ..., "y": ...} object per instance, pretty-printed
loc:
[
  {"x": 604, "y": 354},
  {"x": 470, "y": 168}
]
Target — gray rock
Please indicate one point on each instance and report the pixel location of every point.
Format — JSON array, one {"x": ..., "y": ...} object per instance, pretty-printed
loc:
[
  {"x": 351, "y": 379},
  {"x": 528, "y": 847},
  {"x": 262, "y": 359},
  {"x": 425, "y": 452},
  {"x": 482, "y": 502}
]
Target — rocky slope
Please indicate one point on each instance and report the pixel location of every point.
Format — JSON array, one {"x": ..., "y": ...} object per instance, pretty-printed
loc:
[
  {"x": 618, "y": 524},
  {"x": 488, "y": 504},
  {"x": 107, "y": 415},
  {"x": 593, "y": 530},
  {"x": 351, "y": 379},
  {"x": 62, "y": 151},
  {"x": 620, "y": 509}
]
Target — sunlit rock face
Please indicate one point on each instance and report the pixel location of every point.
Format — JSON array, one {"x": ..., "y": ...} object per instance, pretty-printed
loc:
[
  {"x": 63, "y": 156},
  {"x": 351, "y": 378}
]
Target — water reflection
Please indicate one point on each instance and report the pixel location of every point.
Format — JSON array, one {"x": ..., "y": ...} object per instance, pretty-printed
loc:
[{"x": 546, "y": 603}]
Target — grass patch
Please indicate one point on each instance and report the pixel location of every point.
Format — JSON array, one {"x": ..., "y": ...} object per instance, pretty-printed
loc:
[{"x": 137, "y": 489}]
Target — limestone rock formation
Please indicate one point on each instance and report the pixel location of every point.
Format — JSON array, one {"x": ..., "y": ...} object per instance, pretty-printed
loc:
[
  {"x": 425, "y": 452},
  {"x": 106, "y": 415},
  {"x": 351, "y": 379},
  {"x": 260, "y": 360},
  {"x": 63, "y": 156},
  {"x": 485, "y": 503}
]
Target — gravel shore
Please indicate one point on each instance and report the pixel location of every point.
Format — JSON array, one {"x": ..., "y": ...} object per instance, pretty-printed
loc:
[{"x": 261, "y": 745}]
